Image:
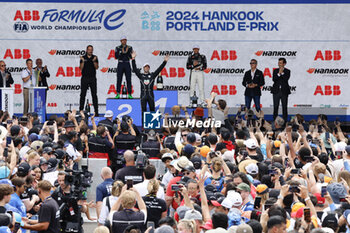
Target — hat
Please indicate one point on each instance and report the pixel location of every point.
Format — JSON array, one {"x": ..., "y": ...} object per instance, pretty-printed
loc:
[
  {"x": 243, "y": 187},
  {"x": 47, "y": 150},
  {"x": 109, "y": 113},
  {"x": 347, "y": 215},
  {"x": 204, "y": 150},
  {"x": 44, "y": 138},
  {"x": 320, "y": 200},
  {"x": 151, "y": 134},
  {"x": 229, "y": 155},
  {"x": 196, "y": 46},
  {"x": 199, "y": 112},
  {"x": 262, "y": 189},
  {"x": 277, "y": 144},
  {"x": 181, "y": 211},
  {"x": 68, "y": 124},
  {"x": 218, "y": 202},
  {"x": 298, "y": 214},
  {"x": 167, "y": 156},
  {"x": 340, "y": 146},
  {"x": 208, "y": 225},
  {"x": 36, "y": 145},
  {"x": 123, "y": 37},
  {"x": 146, "y": 64},
  {"x": 193, "y": 214},
  {"x": 210, "y": 188},
  {"x": 188, "y": 149},
  {"x": 250, "y": 144},
  {"x": 242, "y": 165},
  {"x": 3, "y": 132},
  {"x": 189, "y": 168},
  {"x": 4, "y": 172},
  {"x": 59, "y": 153},
  {"x": 296, "y": 206},
  {"x": 33, "y": 137},
  {"x": 181, "y": 163},
  {"x": 15, "y": 130},
  {"x": 43, "y": 161},
  {"x": 337, "y": 191},
  {"x": 164, "y": 229},
  {"x": 23, "y": 151},
  {"x": 331, "y": 219},
  {"x": 23, "y": 169},
  {"x": 52, "y": 163},
  {"x": 252, "y": 169},
  {"x": 244, "y": 228},
  {"x": 6, "y": 181},
  {"x": 235, "y": 198},
  {"x": 197, "y": 162}
]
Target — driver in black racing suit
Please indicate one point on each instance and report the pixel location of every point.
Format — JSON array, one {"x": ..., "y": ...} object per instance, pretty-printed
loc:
[{"x": 147, "y": 82}]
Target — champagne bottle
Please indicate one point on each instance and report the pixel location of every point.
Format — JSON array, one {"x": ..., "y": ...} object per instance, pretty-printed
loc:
[{"x": 160, "y": 83}]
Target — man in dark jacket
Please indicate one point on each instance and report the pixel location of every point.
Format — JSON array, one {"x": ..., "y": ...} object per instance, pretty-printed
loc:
[
  {"x": 147, "y": 82},
  {"x": 280, "y": 88},
  {"x": 5, "y": 77},
  {"x": 44, "y": 72},
  {"x": 253, "y": 80}
]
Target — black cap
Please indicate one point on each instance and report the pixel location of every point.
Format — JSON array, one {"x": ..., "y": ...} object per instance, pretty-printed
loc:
[
  {"x": 23, "y": 169},
  {"x": 59, "y": 153},
  {"x": 189, "y": 168},
  {"x": 15, "y": 130},
  {"x": 43, "y": 161},
  {"x": 47, "y": 150},
  {"x": 52, "y": 163},
  {"x": 197, "y": 162},
  {"x": 47, "y": 144},
  {"x": 210, "y": 188},
  {"x": 69, "y": 124}
]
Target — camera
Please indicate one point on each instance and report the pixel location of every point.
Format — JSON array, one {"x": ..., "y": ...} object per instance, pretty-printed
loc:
[
  {"x": 141, "y": 160},
  {"x": 79, "y": 181}
]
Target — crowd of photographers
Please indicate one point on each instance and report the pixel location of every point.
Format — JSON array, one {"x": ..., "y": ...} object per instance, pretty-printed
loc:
[{"x": 248, "y": 175}]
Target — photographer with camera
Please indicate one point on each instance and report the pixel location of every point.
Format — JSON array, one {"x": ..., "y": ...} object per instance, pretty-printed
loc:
[
  {"x": 70, "y": 210},
  {"x": 130, "y": 171}
]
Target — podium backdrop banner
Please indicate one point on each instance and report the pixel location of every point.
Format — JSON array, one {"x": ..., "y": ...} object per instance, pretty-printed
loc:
[
  {"x": 7, "y": 100},
  {"x": 314, "y": 38}
]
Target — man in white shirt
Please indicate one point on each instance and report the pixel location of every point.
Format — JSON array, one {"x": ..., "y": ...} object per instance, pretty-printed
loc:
[
  {"x": 149, "y": 173},
  {"x": 72, "y": 152},
  {"x": 28, "y": 80}
]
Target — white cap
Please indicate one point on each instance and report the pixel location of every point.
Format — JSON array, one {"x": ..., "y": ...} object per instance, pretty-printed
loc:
[
  {"x": 340, "y": 146},
  {"x": 227, "y": 203},
  {"x": 250, "y": 144},
  {"x": 168, "y": 156},
  {"x": 23, "y": 151},
  {"x": 146, "y": 64},
  {"x": 228, "y": 155},
  {"x": 235, "y": 198},
  {"x": 123, "y": 37},
  {"x": 252, "y": 169},
  {"x": 195, "y": 46},
  {"x": 109, "y": 113}
]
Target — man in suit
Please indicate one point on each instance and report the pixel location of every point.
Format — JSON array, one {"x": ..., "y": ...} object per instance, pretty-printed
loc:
[
  {"x": 5, "y": 77},
  {"x": 44, "y": 73},
  {"x": 253, "y": 80},
  {"x": 280, "y": 88}
]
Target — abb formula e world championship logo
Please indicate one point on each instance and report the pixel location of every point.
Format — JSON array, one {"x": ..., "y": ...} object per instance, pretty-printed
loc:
[
  {"x": 329, "y": 71},
  {"x": 276, "y": 53},
  {"x": 67, "y": 20}
]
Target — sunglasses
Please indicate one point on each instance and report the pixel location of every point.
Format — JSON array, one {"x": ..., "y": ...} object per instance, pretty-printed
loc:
[
  {"x": 184, "y": 135},
  {"x": 252, "y": 63},
  {"x": 187, "y": 173}
]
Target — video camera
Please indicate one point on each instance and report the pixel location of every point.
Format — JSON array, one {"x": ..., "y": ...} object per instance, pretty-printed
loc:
[{"x": 79, "y": 182}]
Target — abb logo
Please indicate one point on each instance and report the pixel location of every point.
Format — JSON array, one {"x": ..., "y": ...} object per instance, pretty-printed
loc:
[
  {"x": 224, "y": 55},
  {"x": 327, "y": 90},
  {"x": 68, "y": 72},
  {"x": 27, "y": 15},
  {"x": 111, "y": 55},
  {"x": 18, "y": 88},
  {"x": 113, "y": 90},
  {"x": 268, "y": 72},
  {"x": 328, "y": 55},
  {"x": 173, "y": 72},
  {"x": 225, "y": 90},
  {"x": 17, "y": 54},
  {"x": 51, "y": 105}
]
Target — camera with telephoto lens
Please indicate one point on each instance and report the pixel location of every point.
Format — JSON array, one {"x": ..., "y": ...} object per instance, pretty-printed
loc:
[
  {"x": 141, "y": 160},
  {"x": 79, "y": 181}
]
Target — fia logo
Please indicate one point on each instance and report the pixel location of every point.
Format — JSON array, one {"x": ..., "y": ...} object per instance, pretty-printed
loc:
[{"x": 151, "y": 120}]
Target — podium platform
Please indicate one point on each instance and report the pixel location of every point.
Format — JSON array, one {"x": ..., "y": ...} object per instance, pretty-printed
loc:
[{"x": 164, "y": 100}]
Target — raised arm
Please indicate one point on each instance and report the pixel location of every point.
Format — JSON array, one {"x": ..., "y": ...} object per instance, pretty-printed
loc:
[
  {"x": 137, "y": 72},
  {"x": 161, "y": 67}
]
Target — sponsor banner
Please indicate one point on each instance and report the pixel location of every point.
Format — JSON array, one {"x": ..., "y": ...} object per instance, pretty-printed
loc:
[
  {"x": 230, "y": 35},
  {"x": 40, "y": 103}
]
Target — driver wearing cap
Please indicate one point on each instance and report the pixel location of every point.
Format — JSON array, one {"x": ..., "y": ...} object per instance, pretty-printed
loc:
[
  {"x": 123, "y": 55},
  {"x": 197, "y": 62}
]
